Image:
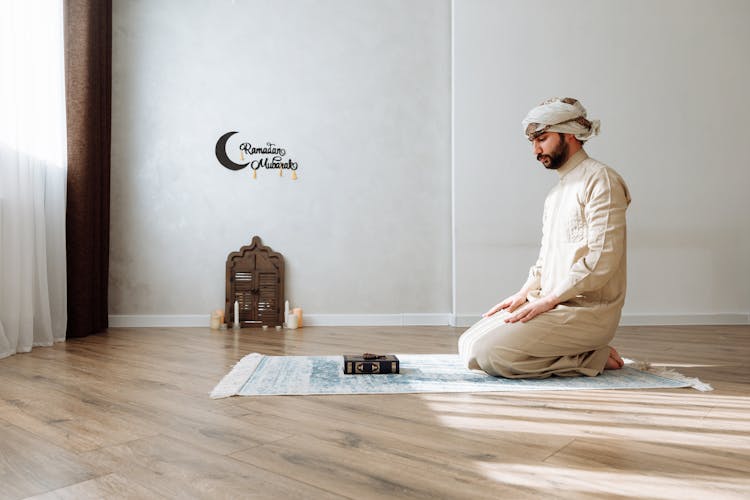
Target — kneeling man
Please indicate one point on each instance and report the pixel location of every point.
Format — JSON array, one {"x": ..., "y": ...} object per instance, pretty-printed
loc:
[{"x": 564, "y": 317}]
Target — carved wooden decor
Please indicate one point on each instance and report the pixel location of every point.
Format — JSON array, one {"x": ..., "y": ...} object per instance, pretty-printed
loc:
[{"x": 255, "y": 279}]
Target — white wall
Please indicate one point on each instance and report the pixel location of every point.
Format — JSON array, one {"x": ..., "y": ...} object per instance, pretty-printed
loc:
[
  {"x": 668, "y": 79},
  {"x": 357, "y": 92}
]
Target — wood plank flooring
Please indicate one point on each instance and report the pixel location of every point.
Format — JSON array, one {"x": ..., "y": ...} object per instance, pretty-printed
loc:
[{"x": 126, "y": 414}]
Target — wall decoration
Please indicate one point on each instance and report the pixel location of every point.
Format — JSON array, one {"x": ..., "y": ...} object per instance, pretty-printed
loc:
[
  {"x": 269, "y": 156},
  {"x": 221, "y": 153},
  {"x": 254, "y": 286}
]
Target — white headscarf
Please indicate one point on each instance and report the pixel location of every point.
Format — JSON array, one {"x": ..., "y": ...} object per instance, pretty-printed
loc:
[{"x": 565, "y": 115}]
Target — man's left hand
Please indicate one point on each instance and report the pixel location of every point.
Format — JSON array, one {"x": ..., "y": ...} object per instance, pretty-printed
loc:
[{"x": 531, "y": 310}]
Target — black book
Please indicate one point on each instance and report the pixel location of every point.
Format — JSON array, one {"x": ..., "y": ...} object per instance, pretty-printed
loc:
[{"x": 370, "y": 364}]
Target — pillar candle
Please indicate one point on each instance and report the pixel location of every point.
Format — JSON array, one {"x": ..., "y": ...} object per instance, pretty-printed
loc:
[
  {"x": 236, "y": 312},
  {"x": 215, "y": 321},
  {"x": 292, "y": 321},
  {"x": 297, "y": 311}
]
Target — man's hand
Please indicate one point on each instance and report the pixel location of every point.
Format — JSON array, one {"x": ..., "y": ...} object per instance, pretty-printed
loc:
[
  {"x": 511, "y": 303},
  {"x": 533, "y": 309}
]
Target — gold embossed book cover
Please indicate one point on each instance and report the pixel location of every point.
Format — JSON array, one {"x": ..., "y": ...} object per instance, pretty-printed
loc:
[{"x": 370, "y": 364}]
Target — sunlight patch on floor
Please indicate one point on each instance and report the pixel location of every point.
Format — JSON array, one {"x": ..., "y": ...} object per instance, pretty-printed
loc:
[
  {"x": 561, "y": 480},
  {"x": 534, "y": 424},
  {"x": 725, "y": 428},
  {"x": 678, "y": 398},
  {"x": 690, "y": 421}
]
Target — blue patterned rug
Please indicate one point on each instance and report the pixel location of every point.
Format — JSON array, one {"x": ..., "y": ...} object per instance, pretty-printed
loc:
[{"x": 259, "y": 375}]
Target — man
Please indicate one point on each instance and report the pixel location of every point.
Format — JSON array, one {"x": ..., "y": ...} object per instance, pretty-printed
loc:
[{"x": 564, "y": 317}]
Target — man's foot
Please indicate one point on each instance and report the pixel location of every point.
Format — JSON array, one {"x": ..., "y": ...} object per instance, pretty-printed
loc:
[{"x": 614, "y": 362}]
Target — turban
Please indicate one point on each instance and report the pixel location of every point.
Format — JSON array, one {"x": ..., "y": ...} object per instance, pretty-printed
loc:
[{"x": 565, "y": 115}]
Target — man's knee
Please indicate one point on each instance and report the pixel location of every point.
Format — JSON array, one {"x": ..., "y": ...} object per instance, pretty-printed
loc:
[
  {"x": 496, "y": 350},
  {"x": 488, "y": 352}
]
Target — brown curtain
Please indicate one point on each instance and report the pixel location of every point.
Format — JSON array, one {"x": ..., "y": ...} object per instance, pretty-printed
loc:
[{"x": 88, "y": 87}]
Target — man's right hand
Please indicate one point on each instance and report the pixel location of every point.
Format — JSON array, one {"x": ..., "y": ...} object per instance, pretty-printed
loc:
[{"x": 510, "y": 304}]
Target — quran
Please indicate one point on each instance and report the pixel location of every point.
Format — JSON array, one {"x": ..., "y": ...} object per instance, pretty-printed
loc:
[{"x": 370, "y": 364}]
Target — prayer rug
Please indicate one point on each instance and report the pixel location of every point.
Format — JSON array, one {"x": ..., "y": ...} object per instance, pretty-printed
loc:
[{"x": 260, "y": 375}]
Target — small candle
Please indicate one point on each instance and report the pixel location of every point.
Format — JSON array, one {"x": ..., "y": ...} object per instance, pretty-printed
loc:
[
  {"x": 292, "y": 321},
  {"x": 215, "y": 321},
  {"x": 297, "y": 311},
  {"x": 236, "y": 313}
]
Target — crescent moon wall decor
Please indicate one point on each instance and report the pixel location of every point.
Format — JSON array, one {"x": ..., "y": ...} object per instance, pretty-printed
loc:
[
  {"x": 269, "y": 156},
  {"x": 221, "y": 153}
]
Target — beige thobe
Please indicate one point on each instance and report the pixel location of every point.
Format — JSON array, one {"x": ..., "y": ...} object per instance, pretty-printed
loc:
[{"x": 582, "y": 261}]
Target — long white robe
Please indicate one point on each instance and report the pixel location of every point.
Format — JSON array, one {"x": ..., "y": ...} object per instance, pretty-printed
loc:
[{"x": 582, "y": 260}]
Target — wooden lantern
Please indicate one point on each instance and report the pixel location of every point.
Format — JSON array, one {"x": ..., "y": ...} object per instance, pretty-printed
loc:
[{"x": 255, "y": 279}]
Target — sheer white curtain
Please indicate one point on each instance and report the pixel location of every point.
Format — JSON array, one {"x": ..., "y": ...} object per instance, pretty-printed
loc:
[{"x": 33, "y": 301}]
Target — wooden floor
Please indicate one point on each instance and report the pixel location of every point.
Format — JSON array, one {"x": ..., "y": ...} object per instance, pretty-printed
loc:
[{"x": 126, "y": 414}]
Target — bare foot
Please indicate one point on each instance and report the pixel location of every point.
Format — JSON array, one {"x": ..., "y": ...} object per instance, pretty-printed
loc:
[{"x": 614, "y": 362}]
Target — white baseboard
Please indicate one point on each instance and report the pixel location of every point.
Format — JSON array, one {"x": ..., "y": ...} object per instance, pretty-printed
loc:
[
  {"x": 158, "y": 320},
  {"x": 650, "y": 319},
  {"x": 462, "y": 320},
  {"x": 399, "y": 319},
  {"x": 422, "y": 319},
  {"x": 685, "y": 319},
  {"x": 403, "y": 319}
]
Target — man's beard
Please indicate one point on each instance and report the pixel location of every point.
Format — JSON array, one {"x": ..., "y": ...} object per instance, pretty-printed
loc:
[{"x": 556, "y": 158}]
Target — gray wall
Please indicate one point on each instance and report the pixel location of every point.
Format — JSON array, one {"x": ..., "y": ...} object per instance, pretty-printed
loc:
[
  {"x": 668, "y": 80},
  {"x": 357, "y": 92}
]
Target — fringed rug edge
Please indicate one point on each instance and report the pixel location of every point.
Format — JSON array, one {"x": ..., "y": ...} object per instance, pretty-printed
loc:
[
  {"x": 233, "y": 381},
  {"x": 663, "y": 371}
]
